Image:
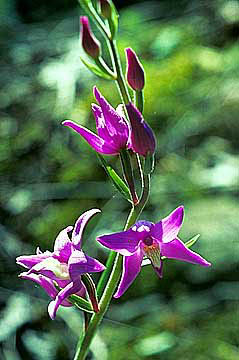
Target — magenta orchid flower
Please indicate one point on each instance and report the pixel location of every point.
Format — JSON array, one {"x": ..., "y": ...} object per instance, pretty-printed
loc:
[
  {"x": 112, "y": 128},
  {"x": 153, "y": 241},
  {"x": 64, "y": 265}
]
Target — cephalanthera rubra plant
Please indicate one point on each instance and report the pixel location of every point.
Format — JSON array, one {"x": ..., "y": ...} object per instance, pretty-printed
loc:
[{"x": 64, "y": 272}]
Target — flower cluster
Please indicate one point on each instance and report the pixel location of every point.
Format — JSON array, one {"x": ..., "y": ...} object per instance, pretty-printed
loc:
[
  {"x": 62, "y": 272},
  {"x": 114, "y": 132}
]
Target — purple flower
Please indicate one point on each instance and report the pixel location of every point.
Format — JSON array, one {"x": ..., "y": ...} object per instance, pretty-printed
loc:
[
  {"x": 142, "y": 139},
  {"x": 64, "y": 265},
  {"x": 153, "y": 241},
  {"x": 112, "y": 128},
  {"x": 89, "y": 43},
  {"x": 135, "y": 71}
]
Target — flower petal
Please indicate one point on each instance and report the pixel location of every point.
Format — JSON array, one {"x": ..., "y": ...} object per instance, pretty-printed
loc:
[
  {"x": 167, "y": 229},
  {"x": 79, "y": 263},
  {"x": 80, "y": 226},
  {"x": 45, "y": 283},
  {"x": 131, "y": 268},
  {"x": 176, "y": 249},
  {"x": 70, "y": 289},
  {"x": 114, "y": 124},
  {"x": 98, "y": 144},
  {"x": 63, "y": 246},
  {"x": 28, "y": 261},
  {"x": 124, "y": 242}
]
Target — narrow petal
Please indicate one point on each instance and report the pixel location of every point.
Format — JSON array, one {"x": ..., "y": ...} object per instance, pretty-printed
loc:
[
  {"x": 131, "y": 268},
  {"x": 45, "y": 283},
  {"x": 28, "y": 261},
  {"x": 70, "y": 289},
  {"x": 115, "y": 125},
  {"x": 124, "y": 242},
  {"x": 51, "y": 268},
  {"x": 63, "y": 246},
  {"x": 98, "y": 144},
  {"x": 176, "y": 249},
  {"x": 168, "y": 228},
  {"x": 80, "y": 226},
  {"x": 79, "y": 264}
]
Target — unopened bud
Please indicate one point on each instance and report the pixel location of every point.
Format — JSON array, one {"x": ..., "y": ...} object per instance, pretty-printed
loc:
[
  {"x": 89, "y": 43},
  {"x": 135, "y": 71},
  {"x": 142, "y": 139},
  {"x": 105, "y": 8}
]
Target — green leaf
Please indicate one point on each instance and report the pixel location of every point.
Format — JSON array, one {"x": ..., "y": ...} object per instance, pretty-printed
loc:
[
  {"x": 96, "y": 70},
  {"x": 116, "y": 179},
  {"x": 81, "y": 303},
  {"x": 192, "y": 241}
]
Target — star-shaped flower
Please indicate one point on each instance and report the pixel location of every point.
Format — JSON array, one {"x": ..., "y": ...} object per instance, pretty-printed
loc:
[
  {"x": 112, "y": 128},
  {"x": 153, "y": 241},
  {"x": 64, "y": 266}
]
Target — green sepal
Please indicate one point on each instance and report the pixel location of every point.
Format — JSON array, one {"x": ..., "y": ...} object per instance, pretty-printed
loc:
[
  {"x": 81, "y": 303},
  {"x": 192, "y": 241},
  {"x": 113, "y": 21},
  {"x": 149, "y": 164},
  {"x": 91, "y": 291},
  {"x": 99, "y": 71},
  {"x": 116, "y": 179}
]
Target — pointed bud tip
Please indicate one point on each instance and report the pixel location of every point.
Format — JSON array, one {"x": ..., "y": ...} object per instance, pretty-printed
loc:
[
  {"x": 135, "y": 71},
  {"x": 89, "y": 43}
]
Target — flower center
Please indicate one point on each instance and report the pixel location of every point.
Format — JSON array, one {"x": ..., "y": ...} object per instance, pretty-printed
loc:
[
  {"x": 148, "y": 241},
  {"x": 152, "y": 251},
  {"x": 60, "y": 270}
]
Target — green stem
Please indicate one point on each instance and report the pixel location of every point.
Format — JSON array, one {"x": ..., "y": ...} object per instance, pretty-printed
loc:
[
  {"x": 106, "y": 273},
  {"x": 139, "y": 100},
  {"x": 118, "y": 70},
  {"x": 116, "y": 259}
]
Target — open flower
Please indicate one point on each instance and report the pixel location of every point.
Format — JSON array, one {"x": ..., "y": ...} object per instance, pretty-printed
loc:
[
  {"x": 153, "y": 241},
  {"x": 112, "y": 128},
  {"x": 64, "y": 266}
]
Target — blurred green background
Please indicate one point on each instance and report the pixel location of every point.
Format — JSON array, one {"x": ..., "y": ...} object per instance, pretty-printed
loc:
[{"x": 49, "y": 176}]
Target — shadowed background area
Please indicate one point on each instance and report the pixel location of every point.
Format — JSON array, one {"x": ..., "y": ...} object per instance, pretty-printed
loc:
[{"x": 49, "y": 176}]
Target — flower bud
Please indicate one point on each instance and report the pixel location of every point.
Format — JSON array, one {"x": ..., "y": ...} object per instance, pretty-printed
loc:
[
  {"x": 135, "y": 71},
  {"x": 89, "y": 43},
  {"x": 105, "y": 8},
  {"x": 142, "y": 139}
]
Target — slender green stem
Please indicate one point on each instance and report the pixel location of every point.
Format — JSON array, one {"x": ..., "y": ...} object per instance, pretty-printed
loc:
[
  {"x": 106, "y": 273},
  {"x": 118, "y": 69},
  {"x": 115, "y": 260},
  {"x": 90, "y": 10},
  {"x": 139, "y": 100}
]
